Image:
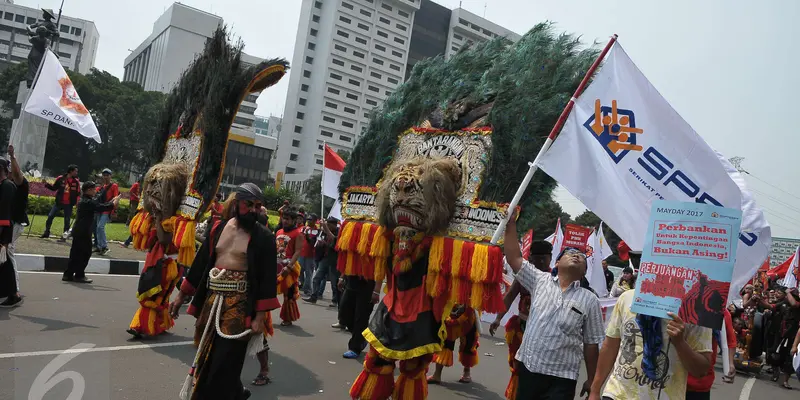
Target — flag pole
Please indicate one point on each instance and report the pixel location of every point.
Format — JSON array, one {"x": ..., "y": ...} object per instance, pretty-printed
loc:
[
  {"x": 322, "y": 181},
  {"x": 533, "y": 166}
]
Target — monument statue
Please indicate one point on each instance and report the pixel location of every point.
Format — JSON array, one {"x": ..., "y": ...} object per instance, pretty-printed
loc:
[{"x": 41, "y": 35}]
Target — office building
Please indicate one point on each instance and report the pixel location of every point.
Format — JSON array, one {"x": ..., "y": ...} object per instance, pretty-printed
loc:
[
  {"x": 157, "y": 64},
  {"x": 350, "y": 55},
  {"x": 782, "y": 249},
  {"x": 76, "y": 48},
  {"x": 267, "y": 126}
]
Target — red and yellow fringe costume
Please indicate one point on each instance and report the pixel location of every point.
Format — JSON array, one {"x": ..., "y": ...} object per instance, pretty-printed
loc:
[
  {"x": 153, "y": 318},
  {"x": 464, "y": 329},
  {"x": 515, "y": 329},
  {"x": 288, "y": 286},
  {"x": 458, "y": 272}
]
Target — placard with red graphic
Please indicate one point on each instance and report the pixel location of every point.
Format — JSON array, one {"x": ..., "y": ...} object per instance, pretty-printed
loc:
[{"x": 576, "y": 236}]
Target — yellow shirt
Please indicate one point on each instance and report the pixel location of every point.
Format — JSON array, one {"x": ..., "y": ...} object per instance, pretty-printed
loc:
[{"x": 627, "y": 380}]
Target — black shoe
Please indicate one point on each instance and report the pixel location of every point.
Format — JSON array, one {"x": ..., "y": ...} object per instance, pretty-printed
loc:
[
  {"x": 105, "y": 251},
  {"x": 136, "y": 335},
  {"x": 83, "y": 280},
  {"x": 333, "y": 304},
  {"x": 45, "y": 235},
  {"x": 12, "y": 301},
  {"x": 245, "y": 393},
  {"x": 310, "y": 299},
  {"x": 67, "y": 278}
]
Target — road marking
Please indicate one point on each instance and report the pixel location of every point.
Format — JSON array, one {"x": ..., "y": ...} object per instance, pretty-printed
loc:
[
  {"x": 88, "y": 274},
  {"x": 748, "y": 386},
  {"x": 93, "y": 350}
]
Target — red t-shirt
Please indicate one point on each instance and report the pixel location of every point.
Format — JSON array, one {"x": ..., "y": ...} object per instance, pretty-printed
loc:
[
  {"x": 112, "y": 190},
  {"x": 285, "y": 243},
  {"x": 70, "y": 186},
  {"x": 310, "y": 234},
  {"x": 134, "y": 192},
  {"x": 702, "y": 385}
]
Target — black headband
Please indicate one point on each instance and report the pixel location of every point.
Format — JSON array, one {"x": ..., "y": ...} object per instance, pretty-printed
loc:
[{"x": 249, "y": 191}]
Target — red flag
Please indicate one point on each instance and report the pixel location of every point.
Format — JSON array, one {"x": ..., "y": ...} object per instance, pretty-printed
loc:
[
  {"x": 333, "y": 167},
  {"x": 781, "y": 270},
  {"x": 576, "y": 236},
  {"x": 527, "y": 240},
  {"x": 623, "y": 250}
]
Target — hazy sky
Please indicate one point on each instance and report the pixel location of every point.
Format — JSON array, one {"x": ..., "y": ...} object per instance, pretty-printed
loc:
[{"x": 727, "y": 66}]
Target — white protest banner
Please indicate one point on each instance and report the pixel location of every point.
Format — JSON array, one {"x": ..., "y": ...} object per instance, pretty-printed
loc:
[{"x": 54, "y": 98}]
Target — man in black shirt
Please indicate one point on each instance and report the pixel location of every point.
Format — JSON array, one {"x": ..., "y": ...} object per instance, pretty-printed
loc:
[
  {"x": 8, "y": 280},
  {"x": 19, "y": 219},
  {"x": 609, "y": 276},
  {"x": 81, "y": 250}
]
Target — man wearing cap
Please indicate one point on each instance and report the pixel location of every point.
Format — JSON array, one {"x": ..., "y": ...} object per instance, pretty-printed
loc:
[
  {"x": 233, "y": 283},
  {"x": 565, "y": 324},
  {"x": 8, "y": 281},
  {"x": 327, "y": 264},
  {"x": 68, "y": 189},
  {"x": 108, "y": 191}
]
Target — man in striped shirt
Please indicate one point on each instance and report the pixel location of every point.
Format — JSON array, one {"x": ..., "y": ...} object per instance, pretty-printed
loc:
[{"x": 565, "y": 324}]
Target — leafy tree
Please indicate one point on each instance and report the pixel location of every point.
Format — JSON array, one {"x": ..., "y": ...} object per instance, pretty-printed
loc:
[
  {"x": 126, "y": 117},
  {"x": 588, "y": 219},
  {"x": 542, "y": 217},
  {"x": 312, "y": 194},
  {"x": 344, "y": 154},
  {"x": 273, "y": 199}
]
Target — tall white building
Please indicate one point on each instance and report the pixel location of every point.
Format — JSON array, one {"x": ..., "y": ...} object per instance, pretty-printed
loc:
[
  {"x": 782, "y": 249},
  {"x": 350, "y": 55},
  {"x": 178, "y": 36},
  {"x": 76, "y": 48}
]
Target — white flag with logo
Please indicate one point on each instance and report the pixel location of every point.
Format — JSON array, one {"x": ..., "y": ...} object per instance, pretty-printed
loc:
[
  {"x": 594, "y": 266},
  {"x": 54, "y": 98},
  {"x": 623, "y": 146},
  {"x": 755, "y": 237}
]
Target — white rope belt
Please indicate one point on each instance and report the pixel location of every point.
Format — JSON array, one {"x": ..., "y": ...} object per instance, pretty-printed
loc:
[{"x": 254, "y": 346}]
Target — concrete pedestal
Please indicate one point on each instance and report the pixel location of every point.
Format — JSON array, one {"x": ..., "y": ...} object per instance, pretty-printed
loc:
[{"x": 28, "y": 134}]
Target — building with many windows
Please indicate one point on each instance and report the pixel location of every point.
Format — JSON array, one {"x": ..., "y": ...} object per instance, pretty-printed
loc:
[
  {"x": 782, "y": 250},
  {"x": 350, "y": 55},
  {"x": 157, "y": 65},
  {"x": 76, "y": 48}
]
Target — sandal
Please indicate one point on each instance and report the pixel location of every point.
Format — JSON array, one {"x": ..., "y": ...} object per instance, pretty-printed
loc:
[
  {"x": 728, "y": 378},
  {"x": 432, "y": 381},
  {"x": 465, "y": 379},
  {"x": 786, "y": 386},
  {"x": 261, "y": 380}
]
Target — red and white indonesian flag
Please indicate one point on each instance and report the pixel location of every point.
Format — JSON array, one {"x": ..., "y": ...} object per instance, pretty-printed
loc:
[
  {"x": 332, "y": 173},
  {"x": 624, "y": 146},
  {"x": 54, "y": 98}
]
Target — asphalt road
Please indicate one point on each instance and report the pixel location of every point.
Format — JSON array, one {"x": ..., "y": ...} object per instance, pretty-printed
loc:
[{"x": 306, "y": 360}]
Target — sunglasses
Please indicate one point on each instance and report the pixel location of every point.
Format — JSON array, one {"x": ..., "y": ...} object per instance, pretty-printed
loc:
[{"x": 573, "y": 251}]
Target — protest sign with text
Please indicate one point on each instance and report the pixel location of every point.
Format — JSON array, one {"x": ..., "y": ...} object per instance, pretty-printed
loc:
[
  {"x": 576, "y": 236},
  {"x": 687, "y": 262}
]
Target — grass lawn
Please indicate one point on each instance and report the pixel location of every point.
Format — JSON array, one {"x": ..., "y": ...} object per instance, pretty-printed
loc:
[{"x": 114, "y": 231}]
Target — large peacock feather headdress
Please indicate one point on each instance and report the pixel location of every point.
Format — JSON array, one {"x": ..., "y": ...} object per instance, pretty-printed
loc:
[{"x": 195, "y": 126}]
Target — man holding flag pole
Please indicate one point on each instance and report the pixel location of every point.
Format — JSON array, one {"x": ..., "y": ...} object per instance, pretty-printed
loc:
[{"x": 619, "y": 128}]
